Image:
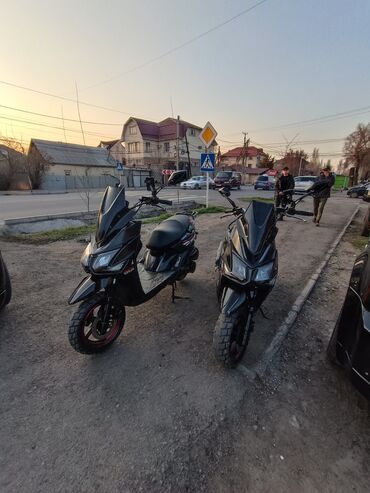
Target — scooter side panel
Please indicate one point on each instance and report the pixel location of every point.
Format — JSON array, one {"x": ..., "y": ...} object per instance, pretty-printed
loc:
[
  {"x": 84, "y": 290},
  {"x": 232, "y": 300}
]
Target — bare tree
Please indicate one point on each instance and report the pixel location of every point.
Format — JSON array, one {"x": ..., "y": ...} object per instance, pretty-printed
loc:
[
  {"x": 13, "y": 161},
  {"x": 357, "y": 150},
  {"x": 36, "y": 167}
]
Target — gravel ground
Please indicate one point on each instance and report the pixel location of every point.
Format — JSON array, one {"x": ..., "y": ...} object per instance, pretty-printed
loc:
[{"x": 156, "y": 413}]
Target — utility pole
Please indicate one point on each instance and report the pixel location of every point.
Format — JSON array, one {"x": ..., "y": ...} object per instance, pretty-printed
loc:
[
  {"x": 245, "y": 150},
  {"x": 177, "y": 142},
  {"x": 187, "y": 151},
  {"x": 300, "y": 165}
]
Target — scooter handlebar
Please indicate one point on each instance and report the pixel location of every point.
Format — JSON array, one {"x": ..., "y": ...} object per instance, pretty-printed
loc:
[
  {"x": 165, "y": 202},
  {"x": 303, "y": 213}
]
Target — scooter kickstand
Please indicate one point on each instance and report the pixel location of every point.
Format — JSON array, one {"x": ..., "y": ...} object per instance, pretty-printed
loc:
[{"x": 174, "y": 297}]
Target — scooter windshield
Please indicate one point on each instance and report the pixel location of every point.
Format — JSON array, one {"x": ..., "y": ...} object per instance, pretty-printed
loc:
[
  {"x": 112, "y": 208},
  {"x": 259, "y": 227}
]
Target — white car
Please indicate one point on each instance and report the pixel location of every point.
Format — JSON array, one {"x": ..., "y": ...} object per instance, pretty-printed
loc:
[
  {"x": 197, "y": 182},
  {"x": 303, "y": 183}
]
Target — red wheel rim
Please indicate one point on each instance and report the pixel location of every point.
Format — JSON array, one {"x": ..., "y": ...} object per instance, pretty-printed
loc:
[{"x": 87, "y": 328}]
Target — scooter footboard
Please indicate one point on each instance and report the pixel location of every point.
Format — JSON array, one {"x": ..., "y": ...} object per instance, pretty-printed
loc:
[{"x": 232, "y": 300}]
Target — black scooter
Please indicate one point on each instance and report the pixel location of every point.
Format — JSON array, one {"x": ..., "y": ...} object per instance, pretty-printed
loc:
[
  {"x": 5, "y": 284},
  {"x": 247, "y": 267},
  {"x": 116, "y": 279}
]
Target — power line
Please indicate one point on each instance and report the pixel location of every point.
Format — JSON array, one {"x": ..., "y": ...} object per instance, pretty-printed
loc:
[
  {"x": 63, "y": 98},
  {"x": 40, "y": 124},
  {"x": 180, "y": 46},
  {"x": 58, "y": 117},
  {"x": 322, "y": 119}
]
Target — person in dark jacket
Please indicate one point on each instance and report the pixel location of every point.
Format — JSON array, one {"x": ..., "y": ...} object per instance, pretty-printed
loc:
[
  {"x": 320, "y": 198},
  {"x": 283, "y": 183}
]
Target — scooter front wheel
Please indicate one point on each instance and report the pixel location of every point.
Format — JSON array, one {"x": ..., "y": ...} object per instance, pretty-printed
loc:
[
  {"x": 231, "y": 337},
  {"x": 95, "y": 325}
]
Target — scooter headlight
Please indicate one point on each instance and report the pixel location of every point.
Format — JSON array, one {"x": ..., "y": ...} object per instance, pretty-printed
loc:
[
  {"x": 86, "y": 256},
  {"x": 265, "y": 272},
  {"x": 102, "y": 261},
  {"x": 239, "y": 268}
]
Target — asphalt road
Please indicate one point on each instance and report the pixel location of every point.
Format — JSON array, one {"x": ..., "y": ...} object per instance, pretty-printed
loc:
[{"x": 27, "y": 205}]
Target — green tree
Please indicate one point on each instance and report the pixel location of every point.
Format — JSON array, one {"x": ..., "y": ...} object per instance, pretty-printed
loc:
[{"x": 268, "y": 161}]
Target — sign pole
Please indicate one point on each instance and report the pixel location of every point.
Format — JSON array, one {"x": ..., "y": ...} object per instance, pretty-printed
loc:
[
  {"x": 207, "y": 160},
  {"x": 207, "y": 190}
]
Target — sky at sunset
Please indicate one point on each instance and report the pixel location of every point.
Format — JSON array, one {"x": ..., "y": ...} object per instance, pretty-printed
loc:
[{"x": 283, "y": 62}]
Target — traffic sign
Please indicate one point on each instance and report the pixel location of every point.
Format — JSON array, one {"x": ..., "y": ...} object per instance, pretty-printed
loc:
[
  {"x": 207, "y": 161},
  {"x": 208, "y": 134},
  {"x": 119, "y": 166}
]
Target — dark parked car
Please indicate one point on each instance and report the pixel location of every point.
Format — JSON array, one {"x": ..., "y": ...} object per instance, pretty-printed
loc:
[
  {"x": 5, "y": 286},
  {"x": 358, "y": 190},
  {"x": 265, "y": 182},
  {"x": 366, "y": 195},
  {"x": 229, "y": 179},
  {"x": 349, "y": 345}
]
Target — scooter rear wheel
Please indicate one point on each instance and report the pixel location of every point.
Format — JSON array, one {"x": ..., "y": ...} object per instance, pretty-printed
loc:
[
  {"x": 87, "y": 332},
  {"x": 230, "y": 338}
]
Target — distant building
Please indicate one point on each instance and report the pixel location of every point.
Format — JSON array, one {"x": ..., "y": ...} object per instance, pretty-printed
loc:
[
  {"x": 253, "y": 162},
  {"x": 153, "y": 145},
  {"x": 71, "y": 166},
  {"x": 116, "y": 150}
]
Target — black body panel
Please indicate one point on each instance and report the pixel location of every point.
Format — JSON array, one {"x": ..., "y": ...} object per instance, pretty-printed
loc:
[
  {"x": 111, "y": 257},
  {"x": 5, "y": 286},
  {"x": 352, "y": 331}
]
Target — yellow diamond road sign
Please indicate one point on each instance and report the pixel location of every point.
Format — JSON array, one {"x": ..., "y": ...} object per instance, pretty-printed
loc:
[{"x": 208, "y": 134}]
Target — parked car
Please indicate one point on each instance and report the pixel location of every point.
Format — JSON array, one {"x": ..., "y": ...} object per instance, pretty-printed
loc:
[
  {"x": 265, "y": 182},
  {"x": 366, "y": 195},
  {"x": 197, "y": 182},
  {"x": 349, "y": 346},
  {"x": 357, "y": 190},
  {"x": 5, "y": 285},
  {"x": 365, "y": 231},
  {"x": 303, "y": 183},
  {"x": 229, "y": 179}
]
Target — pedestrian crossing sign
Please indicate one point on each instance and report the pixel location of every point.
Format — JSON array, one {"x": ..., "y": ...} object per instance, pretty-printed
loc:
[{"x": 207, "y": 161}]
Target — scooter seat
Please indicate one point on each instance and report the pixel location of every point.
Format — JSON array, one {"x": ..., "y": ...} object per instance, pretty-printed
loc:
[{"x": 168, "y": 232}]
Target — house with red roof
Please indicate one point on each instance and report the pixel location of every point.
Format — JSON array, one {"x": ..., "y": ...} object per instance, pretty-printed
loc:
[
  {"x": 151, "y": 144},
  {"x": 253, "y": 162}
]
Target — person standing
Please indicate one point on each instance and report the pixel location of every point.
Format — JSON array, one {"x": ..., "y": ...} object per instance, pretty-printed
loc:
[
  {"x": 320, "y": 198},
  {"x": 283, "y": 183}
]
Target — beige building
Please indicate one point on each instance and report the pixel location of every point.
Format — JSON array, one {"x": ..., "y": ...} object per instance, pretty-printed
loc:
[
  {"x": 154, "y": 145},
  {"x": 72, "y": 166}
]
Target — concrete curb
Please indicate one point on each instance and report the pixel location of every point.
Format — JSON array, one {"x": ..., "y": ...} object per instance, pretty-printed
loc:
[
  {"x": 260, "y": 368},
  {"x": 10, "y": 225}
]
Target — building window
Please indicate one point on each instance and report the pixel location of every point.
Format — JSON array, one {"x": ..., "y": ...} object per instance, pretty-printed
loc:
[
  {"x": 133, "y": 147},
  {"x": 132, "y": 130},
  {"x": 193, "y": 132},
  {"x": 167, "y": 147},
  {"x": 147, "y": 146}
]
